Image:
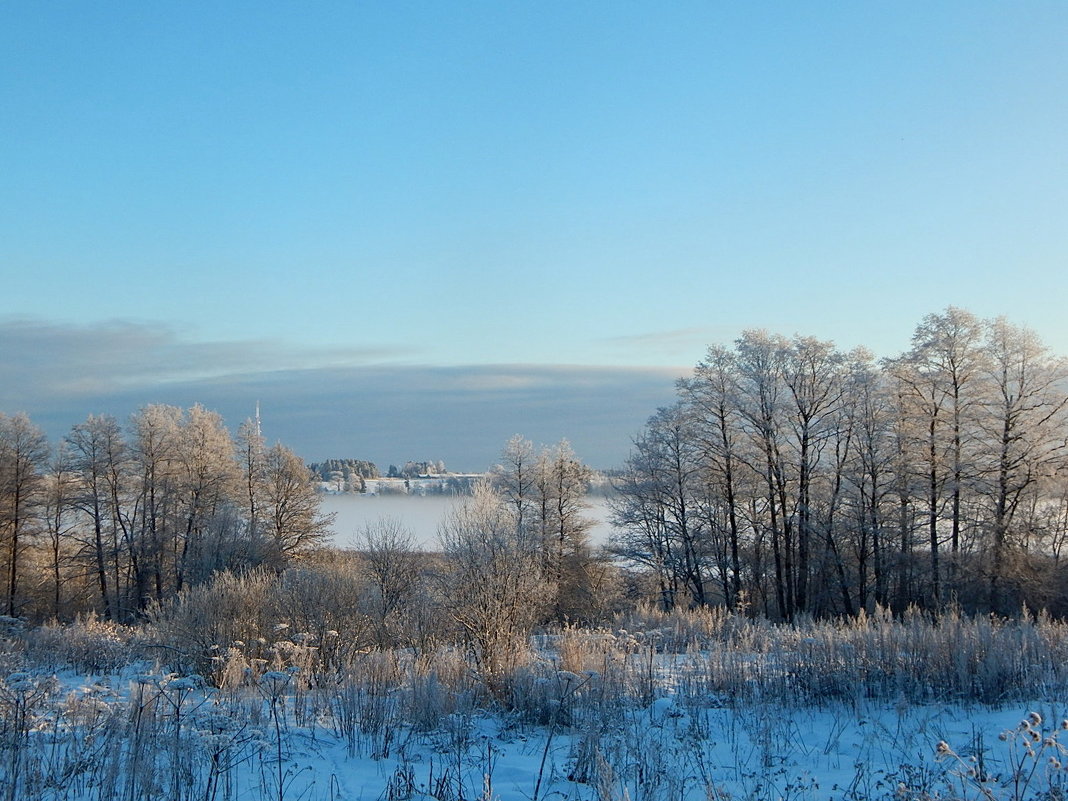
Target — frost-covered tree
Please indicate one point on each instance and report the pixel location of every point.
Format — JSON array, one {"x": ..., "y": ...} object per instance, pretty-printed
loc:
[
  {"x": 1025, "y": 426},
  {"x": 761, "y": 403},
  {"x": 868, "y": 475},
  {"x": 656, "y": 508},
  {"x": 712, "y": 394},
  {"x": 515, "y": 478},
  {"x": 826, "y": 484},
  {"x": 292, "y": 522},
  {"x": 92, "y": 445},
  {"x": 58, "y": 524},
  {"x": 23, "y": 455},
  {"x": 546, "y": 495},
  {"x": 943, "y": 371},
  {"x": 567, "y": 549},
  {"x": 208, "y": 478},
  {"x": 156, "y": 438},
  {"x": 251, "y": 455},
  {"x": 121, "y": 518}
]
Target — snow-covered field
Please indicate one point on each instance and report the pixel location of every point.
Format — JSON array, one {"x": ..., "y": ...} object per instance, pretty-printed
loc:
[
  {"x": 585, "y": 715},
  {"x": 117, "y": 737}
]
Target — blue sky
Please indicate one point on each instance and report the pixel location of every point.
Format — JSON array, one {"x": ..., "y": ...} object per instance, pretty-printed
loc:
[{"x": 371, "y": 201}]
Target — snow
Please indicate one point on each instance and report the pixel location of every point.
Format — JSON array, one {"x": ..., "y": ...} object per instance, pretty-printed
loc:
[{"x": 283, "y": 738}]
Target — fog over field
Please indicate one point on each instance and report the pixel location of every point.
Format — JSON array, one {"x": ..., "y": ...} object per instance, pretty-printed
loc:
[{"x": 422, "y": 515}]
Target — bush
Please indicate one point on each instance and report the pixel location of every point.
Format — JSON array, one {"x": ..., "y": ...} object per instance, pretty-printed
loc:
[{"x": 88, "y": 644}]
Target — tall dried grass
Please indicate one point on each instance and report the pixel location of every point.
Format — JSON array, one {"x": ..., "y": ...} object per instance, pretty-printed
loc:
[{"x": 632, "y": 699}]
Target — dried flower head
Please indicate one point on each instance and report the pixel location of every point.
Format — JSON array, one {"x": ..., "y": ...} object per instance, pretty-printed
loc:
[{"x": 1035, "y": 719}]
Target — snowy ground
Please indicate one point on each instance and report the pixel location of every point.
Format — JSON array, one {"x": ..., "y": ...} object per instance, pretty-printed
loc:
[
  {"x": 688, "y": 706},
  {"x": 132, "y": 735}
]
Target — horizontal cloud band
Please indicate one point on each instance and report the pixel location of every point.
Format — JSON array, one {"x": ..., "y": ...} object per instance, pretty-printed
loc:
[{"x": 329, "y": 402}]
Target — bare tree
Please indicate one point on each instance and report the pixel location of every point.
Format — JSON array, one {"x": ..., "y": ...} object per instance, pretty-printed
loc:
[
  {"x": 758, "y": 359},
  {"x": 546, "y": 494},
  {"x": 924, "y": 400},
  {"x": 1026, "y": 428},
  {"x": 869, "y": 409},
  {"x": 57, "y": 507},
  {"x": 392, "y": 566},
  {"x": 948, "y": 348},
  {"x": 658, "y": 508},
  {"x": 23, "y": 454},
  {"x": 569, "y": 550},
  {"x": 812, "y": 374},
  {"x": 713, "y": 394},
  {"x": 156, "y": 440},
  {"x": 639, "y": 519},
  {"x": 91, "y": 445}
]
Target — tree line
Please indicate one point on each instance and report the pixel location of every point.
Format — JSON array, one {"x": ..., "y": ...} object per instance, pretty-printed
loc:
[
  {"x": 113, "y": 518},
  {"x": 797, "y": 479},
  {"x": 789, "y": 479},
  {"x": 346, "y": 475}
]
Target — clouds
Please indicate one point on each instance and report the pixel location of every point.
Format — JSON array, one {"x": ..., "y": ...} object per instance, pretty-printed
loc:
[
  {"x": 330, "y": 401},
  {"x": 91, "y": 359}
]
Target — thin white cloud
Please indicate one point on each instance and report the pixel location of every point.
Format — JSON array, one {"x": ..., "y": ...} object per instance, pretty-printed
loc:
[{"x": 673, "y": 340}]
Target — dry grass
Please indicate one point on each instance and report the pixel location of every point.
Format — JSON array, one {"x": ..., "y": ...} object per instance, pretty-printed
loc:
[{"x": 278, "y": 670}]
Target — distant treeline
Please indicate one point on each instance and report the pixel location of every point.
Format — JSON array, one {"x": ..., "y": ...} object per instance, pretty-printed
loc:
[
  {"x": 448, "y": 484},
  {"x": 351, "y": 475}
]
